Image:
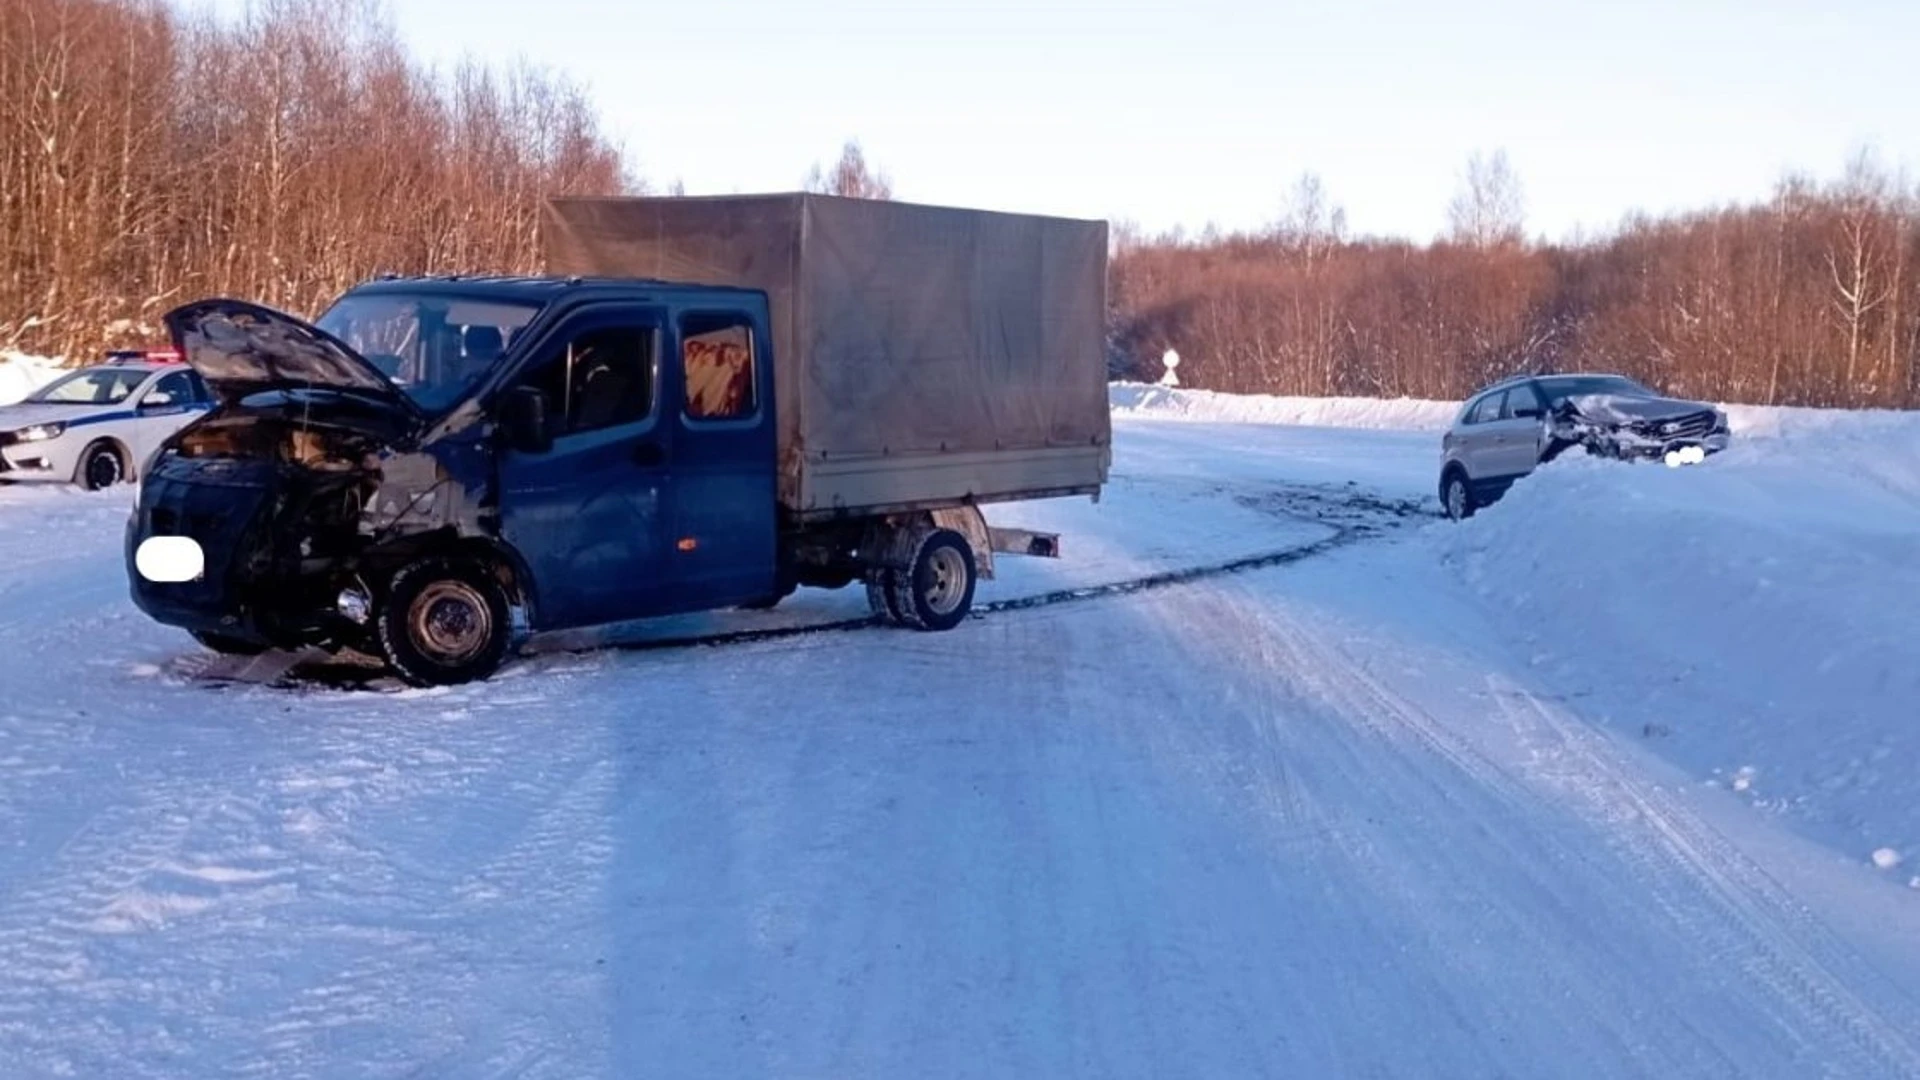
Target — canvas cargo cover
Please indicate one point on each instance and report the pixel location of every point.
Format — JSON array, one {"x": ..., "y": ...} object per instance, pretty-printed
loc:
[{"x": 923, "y": 355}]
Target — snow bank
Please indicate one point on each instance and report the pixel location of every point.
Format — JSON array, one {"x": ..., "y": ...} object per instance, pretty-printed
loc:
[
  {"x": 1754, "y": 616},
  {"x": 21, "y": 375},
  {"x": 1420, "y": 414},
  {"x": 1389, "y": 414}
]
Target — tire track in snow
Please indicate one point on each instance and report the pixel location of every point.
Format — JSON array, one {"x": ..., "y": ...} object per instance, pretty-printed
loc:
[
  {"x": 1786, "y": 948},
  {"x": 1688, "y": 864},
  {"x": 1353, "y": 516},
  {"x": 50, "y": 929},
  {"x": 408, "y": 924},
  {"x": 1339, "y": 793}
]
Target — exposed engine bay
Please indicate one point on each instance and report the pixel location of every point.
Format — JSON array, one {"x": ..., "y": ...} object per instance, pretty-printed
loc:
[
  {"x": 325, "y": 477},
  {"x": 315, "y": 448}
]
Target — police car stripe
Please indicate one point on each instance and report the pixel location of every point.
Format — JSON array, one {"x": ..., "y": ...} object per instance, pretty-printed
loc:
[{"x": 102, "y": 418}]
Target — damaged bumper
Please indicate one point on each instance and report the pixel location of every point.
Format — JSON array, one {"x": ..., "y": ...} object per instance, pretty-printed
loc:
[
  {"x": 1685, "y": 441},
  {"x": 249, "y": 586}
]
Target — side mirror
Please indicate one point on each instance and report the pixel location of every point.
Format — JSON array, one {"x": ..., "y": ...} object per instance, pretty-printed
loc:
[
  {"x": 523, "y": 418},
  {"x": 1530, "y": 414}
]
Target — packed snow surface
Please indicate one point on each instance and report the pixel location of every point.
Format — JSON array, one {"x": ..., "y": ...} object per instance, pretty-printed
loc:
[{"x": 1614, "y": 779}]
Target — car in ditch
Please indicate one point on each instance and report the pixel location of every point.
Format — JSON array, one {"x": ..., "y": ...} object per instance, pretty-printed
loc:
[
  {"x": 97, "y": 426},
  {"x": 1505, "y": 431}
]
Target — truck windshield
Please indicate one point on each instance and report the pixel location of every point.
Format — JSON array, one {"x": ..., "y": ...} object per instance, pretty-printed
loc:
[{"x": 434, "y": 346}]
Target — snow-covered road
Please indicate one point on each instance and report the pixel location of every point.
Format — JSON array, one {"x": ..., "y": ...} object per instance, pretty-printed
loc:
[{"x": 1337, "y": 818}]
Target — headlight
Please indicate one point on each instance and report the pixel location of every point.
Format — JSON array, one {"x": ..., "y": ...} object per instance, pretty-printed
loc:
[{"x": 40, "y": 432}]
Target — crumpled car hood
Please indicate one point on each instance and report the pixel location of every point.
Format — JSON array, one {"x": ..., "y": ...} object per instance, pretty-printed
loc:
[{"x": 1619, "y": 409}]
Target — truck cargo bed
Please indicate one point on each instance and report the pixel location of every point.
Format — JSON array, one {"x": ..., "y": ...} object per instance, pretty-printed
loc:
[{"x": 923, "y": 356}]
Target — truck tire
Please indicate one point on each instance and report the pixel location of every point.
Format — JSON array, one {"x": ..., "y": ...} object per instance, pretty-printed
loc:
[
  {"x": 935, "y": 591},
  {"x": 444, "y": 621},
  {"x": 880, "y": 595}
]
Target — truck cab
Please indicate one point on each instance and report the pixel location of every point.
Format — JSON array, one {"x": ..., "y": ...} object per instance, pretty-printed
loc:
[{"x": 432, "y": 456}]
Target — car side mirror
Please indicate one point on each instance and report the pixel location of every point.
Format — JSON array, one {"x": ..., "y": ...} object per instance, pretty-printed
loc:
[
  {"x": 1529, "y": 414},
  {"x": 524, "y": 420}
]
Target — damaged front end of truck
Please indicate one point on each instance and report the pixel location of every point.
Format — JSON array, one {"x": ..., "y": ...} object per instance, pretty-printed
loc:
[{"x": 307, "y": 491}]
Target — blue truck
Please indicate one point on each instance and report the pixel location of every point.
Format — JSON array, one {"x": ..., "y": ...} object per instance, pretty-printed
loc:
[{"x": 699, "y": 404}]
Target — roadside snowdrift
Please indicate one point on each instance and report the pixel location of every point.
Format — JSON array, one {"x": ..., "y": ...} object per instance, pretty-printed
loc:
[
  {"x": 1151, "y": 401},
  {"x": 1376, "y": 414},
  {"x": 21, "y": 375},
  {"x": 1755, "y": 616}
]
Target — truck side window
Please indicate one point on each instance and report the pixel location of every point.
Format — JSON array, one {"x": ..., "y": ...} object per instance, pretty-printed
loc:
[
  {"x": 600, "y": 379},
  {"x": 716, "y": 352}
]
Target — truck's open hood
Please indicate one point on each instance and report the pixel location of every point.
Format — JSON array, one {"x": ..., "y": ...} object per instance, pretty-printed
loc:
[{"x": 241, "y": 348}]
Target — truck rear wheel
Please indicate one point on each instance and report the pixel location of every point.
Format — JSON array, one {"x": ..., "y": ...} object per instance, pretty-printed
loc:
[
  {"x": 935, "y": 590},
  {"x": 880, "y": 594},
  {"x": 444, "y": 622}
]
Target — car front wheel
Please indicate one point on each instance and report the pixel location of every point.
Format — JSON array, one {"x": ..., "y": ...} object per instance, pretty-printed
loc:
[
  {"x": 101, "y": 467},
  {"x": 444, "y": 622}
]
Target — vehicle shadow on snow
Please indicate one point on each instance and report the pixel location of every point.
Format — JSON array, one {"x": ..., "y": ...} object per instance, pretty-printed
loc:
[{"x": 1354, "y": 513}]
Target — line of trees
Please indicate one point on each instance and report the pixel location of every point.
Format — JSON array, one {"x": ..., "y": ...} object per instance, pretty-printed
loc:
[
  {"x": 1809, "y": 298},
  {"x": 147, "y": 157}
]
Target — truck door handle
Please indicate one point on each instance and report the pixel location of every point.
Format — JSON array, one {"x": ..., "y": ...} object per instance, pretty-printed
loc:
[{"x": 648, "y": 453}]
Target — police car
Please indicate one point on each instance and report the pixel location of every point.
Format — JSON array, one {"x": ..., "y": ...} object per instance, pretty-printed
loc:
[{"x": 97, "y": 426}]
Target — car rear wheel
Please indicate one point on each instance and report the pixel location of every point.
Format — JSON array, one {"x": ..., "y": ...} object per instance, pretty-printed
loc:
[
  {"x": 444, "y": 622},
  {"x": 1457, "y": 497},
  {"x": 101, "y": 467}
]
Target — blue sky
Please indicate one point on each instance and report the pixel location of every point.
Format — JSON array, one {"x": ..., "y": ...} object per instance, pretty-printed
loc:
[{"x": 1205, "y": 110}]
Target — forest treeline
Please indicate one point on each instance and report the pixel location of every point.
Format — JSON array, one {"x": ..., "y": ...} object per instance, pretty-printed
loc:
[
  {"x": 1809, "y": 298},
  {"x": 149, "y": 157}
]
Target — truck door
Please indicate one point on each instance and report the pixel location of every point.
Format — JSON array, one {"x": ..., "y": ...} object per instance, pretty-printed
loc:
[
  {"x": 724, "y": 457},
  {"x": 590, "y": 516}
]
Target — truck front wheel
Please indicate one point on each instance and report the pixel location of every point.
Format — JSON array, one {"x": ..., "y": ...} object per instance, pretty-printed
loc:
[
  {"x": 935, "y": 590},
  {"x": 444, "y": 622}
]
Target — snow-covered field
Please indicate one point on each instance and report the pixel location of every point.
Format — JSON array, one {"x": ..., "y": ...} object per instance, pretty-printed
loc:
[
  {"x": 21, "y": 375},
  {"x": 1618, "y": 778}
]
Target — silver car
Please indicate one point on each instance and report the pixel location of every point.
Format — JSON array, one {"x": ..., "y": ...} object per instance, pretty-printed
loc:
[
  {"x": 97, "y": 426},
  {"x": 1506, "y": 430}
]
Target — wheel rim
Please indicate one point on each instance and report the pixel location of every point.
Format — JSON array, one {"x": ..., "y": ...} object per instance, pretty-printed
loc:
[
  {"x": 450, "y": 622},
  {"x": 946, "y": 580},
  {"x": 1456, "y": 498},
  {"x": 103, "y": 469}
]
